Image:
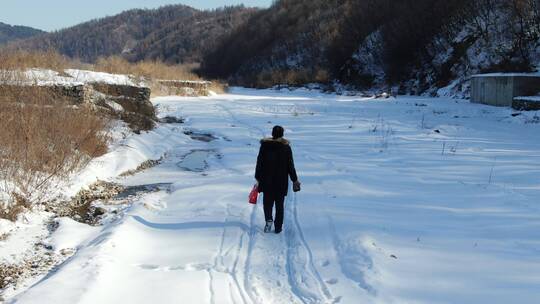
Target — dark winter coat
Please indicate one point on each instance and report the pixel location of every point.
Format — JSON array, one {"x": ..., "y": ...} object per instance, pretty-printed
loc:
[{"x": 274, "y": 166}]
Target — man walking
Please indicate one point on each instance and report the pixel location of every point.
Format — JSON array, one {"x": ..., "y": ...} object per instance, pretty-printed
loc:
[{"x": 275, "y": 165}]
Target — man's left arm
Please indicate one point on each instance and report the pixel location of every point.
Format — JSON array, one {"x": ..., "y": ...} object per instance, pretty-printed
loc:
[{"x": 292, "y": 169}]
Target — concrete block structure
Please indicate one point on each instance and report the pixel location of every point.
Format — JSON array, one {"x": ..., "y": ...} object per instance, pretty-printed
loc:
[
  {"x": 500, "y": 89},
  {"x": 185, "y": 87}
]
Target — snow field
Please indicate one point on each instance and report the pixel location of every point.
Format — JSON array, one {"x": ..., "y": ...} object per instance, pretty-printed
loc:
[{"x": 413, "y": 200}]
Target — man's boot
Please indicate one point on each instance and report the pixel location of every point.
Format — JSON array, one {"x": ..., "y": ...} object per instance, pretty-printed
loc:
[{"x": 268, "y": 226}]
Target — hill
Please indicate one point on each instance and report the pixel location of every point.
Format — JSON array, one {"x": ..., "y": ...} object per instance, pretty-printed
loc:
[
  {"x": 418, "y": 45},
  {"x": 174, "y": 33},
  {"x": 14, "y": 32}
]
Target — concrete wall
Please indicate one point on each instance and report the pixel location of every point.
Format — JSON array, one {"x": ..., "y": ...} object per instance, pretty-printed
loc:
[
  {"x": 526, "y": 86},
  {"x": 496, "y": 91},
  {"x": 185, "y": 88},
  {"x": 501, "y": 89}
]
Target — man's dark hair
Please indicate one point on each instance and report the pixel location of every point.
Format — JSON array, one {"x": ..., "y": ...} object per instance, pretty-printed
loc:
[{"x": 277, "y": 132}]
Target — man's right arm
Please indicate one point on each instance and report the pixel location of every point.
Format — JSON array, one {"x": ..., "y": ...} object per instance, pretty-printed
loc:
[{"x": 259, "y": 168}]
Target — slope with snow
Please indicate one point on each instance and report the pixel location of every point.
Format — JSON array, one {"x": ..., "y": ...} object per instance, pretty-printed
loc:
[
  {"x": 408, "y": 200},
  {"x": 68, "y": 77}
]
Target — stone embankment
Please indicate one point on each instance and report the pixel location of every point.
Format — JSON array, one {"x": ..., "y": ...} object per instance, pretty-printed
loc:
[
  {"x": 184, "y": 87},
  {"x": 119, "y": 95}
]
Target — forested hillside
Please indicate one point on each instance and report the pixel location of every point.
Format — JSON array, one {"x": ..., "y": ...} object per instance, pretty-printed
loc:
[
  {"x": 174, "y": 34},
  {"x": 422, "y": 45},
  {"x": 10, "y": 32},
  {"x": 416, "y": 46}
]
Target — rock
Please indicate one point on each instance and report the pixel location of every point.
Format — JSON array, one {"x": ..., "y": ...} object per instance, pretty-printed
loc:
[
  {"x": 137, "y": 110},
  {"x": 138, "y": 122},
  {"x": 172, "y": 120},
  {"x": 526, "y": 103},
  {"x": 67, "y": 251},
  {"x": 99, "y": 211}
]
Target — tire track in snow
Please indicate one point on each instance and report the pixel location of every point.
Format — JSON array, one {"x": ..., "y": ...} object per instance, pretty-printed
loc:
[
  {"x": 252, "y": 233},
  {"x": 322, "y": 284},
  {"x": 302, "y": 273},
  {"x": 251, "y": 292},
  {"x": 211, "y": 286},
  {"x": 220, "y": 267},
  {"x": 293, "y": 243},
  {"x": 246, "y": 292},
  {"x": 234, "y": 271},
  {"x": 296, "y": 287}
]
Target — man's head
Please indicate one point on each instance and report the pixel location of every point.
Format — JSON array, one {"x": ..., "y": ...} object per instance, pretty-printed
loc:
[{"x": 277, "y": 132}]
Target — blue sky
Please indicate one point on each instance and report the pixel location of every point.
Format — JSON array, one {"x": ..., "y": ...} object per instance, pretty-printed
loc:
[{"x": 57, "y": 14}]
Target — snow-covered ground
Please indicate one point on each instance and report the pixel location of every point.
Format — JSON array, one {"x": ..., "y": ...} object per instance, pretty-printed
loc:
[
  {"x": 68, "y": 77},
  {"x": 408, "y": 200}
]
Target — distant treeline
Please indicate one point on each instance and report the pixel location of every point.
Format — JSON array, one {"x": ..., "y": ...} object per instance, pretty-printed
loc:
[
  {"x": 173, "y": 34},
  {"x": 298, "y": 41},
  {"x": 420, "y": 45},
  {"x": 10, "y": 33}
]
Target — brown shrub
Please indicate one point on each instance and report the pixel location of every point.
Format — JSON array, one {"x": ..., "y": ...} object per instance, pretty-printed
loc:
[
  {"x": 147, "y": 69},
  {"x": 219, "y": 87},
  {"x": 22, "y": 59},
  {"x": 153, "y": 71},
  {"x": 19, "y": 205},
  {"x": 44, "y": 140}
]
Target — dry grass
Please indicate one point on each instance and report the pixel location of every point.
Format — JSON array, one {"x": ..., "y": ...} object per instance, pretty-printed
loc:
[
  {"x": 153, "y": 71},
  {"x": 20, "y": 59},
  {"x": 17, "y": 206},
  {"x": 150, "y": 70},
  {"x": 219, "y": 87},
  {"x": 146, "y": 69},
  {"x": 44, "y": 140}
]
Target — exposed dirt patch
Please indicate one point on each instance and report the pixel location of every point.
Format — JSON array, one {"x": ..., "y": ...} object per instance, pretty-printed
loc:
[
  {"x": 82, "y": 208},
  {"x": 144, "y": 166},
  {"x": 172, "y": 120},
  {"x": 38, "y": 261}
]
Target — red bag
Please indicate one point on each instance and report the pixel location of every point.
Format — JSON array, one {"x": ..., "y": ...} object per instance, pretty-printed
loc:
[{"x": 254, "y": 195}]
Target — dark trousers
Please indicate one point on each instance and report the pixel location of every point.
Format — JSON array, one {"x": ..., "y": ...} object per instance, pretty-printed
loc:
[{"x": 269, "y": 200}]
